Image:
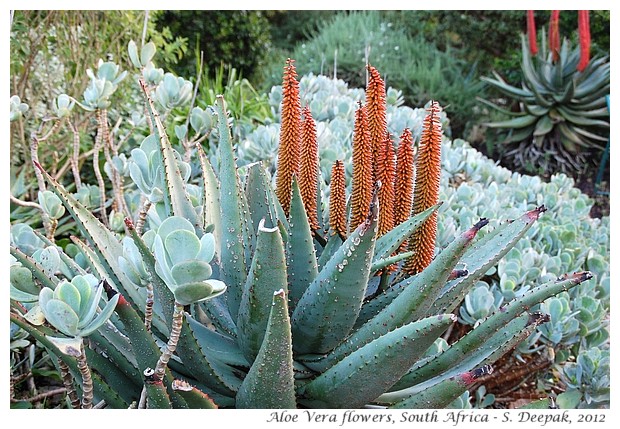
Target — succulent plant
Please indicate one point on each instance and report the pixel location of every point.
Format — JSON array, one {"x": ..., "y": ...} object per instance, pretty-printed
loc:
[
  {"x": 563, "y": 111},
  {"x": 17, "y": 109},
  {"x": 264, "y": 341}
]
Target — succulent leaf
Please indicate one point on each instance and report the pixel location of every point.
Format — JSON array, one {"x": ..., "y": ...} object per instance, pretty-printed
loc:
[{"x": 270, "y": 382}]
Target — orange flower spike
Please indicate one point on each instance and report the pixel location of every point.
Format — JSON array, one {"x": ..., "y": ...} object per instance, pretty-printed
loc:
[
  {"x": 338, "y": 201},
  {"x": 361, "y": 194},
  {"x": 290, "y": 136},
  {"x": 531, "y": 32},
  {"x": 385, "y": 164},
  {"x": 309, "y": 167},
  {"x": 376, "y": 109},
  {"x": 583, "y": 22},
  {"x": 403, "y": 186},
  {"x": 426, "y": 190}
]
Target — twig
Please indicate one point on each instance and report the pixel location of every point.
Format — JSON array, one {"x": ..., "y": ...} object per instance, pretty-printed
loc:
[
  {"x": 40, "y": 396},
  {"x": 25, "y": 203},
  {"x": 67, "y": 380},
  {"x": 75, "y": 167}
]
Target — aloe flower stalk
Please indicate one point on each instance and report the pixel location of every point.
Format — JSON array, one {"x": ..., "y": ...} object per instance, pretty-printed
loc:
[
  {"x": 554, "y": 35},
  {"x": 376, "y": 112},
  {"x": 309, "y": 167},
  {"x": 385, "y": 162},
  {"x": 426, "y": 190},
  {"x": 531, "y": 32},
  {"x": 361, "y": 194},
  {"x": 290, "y": 136},
  {"x": 403, "y": 187},
  {"x": 338, "y": 201},
  {"x": 584, "y": 39}
]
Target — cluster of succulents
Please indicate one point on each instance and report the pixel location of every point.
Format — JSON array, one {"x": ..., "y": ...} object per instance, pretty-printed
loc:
[{"x": 221, "y": 290}]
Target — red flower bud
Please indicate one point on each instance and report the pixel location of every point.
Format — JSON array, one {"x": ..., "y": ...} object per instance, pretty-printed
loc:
[
  {"x": 584, "y": 39},
  {"x": 531, "y": 32},
  {"x": 554, "y": 35}
]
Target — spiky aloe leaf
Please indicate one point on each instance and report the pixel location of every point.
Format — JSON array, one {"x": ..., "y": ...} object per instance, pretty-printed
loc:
[
  {"x": 202, "y": 365},
  {"x": 515, "y": 332},
  {"x": 473, "y": 343},
  {"x": 224, "y": 348},
  {"x": 127, "y": 386},
  {"x": 270, "y": 382},
  {"x": 261, "y": 198},
  {"x": 35, "y": 268},
  {"x": 388, "y": 243},
  {"x": 330, "y": 305},
  {"x": 442, "y": 394},
  {"x": 411, "y": 304},
  {"x": 176, "y": 199},
  {"x": 333, "y": 244},
  {"x": 195, "y": 398},
  {"x": 156, "y": 395},
  {"x": 234, "y": 234},
  {"x": 210, "y": 199},
  {"x": 104, "y": 243},
  {"x": 300, "y": 251},
  {"x": 267, "y": 274},
  {"x": 367, "y": 372},
  {"x": 481, "y": 256}
]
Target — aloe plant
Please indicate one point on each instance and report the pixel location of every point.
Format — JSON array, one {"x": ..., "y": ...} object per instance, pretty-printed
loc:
[
  {"x": 562, "y": 112},
  {"x": 227, "y": 301}
]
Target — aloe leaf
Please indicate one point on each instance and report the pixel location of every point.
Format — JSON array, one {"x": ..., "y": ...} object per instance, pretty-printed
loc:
[
  {"x": 571, "y": 138},
  {"x": 105, "y": 244},
  {"x": 128, "y": 387},
  {"x": 388, "y": 243},
  {"x": 35, "y": 268},
  {"x": 590, "y": 135},
  {"x": 518, "y": 135},
  {"x": 472, "y": 344},
  {"x": 567, "y": 95},
  {"x": 481, "y": 256},
  {"x": 529, "y": 72},
  {"x": 302, "y": 267},
  {"x": 176, "y": 199},
  {"x": 519, "y": 122},
  {"x": 501, "y": 342},
  {"x": 507, "y": 89},
  {"x": 210, "y": 199},
  {"x": 156, "y": 396},
  {"x": 543, "y": 126},
  {"x": 217, "y": 312},
  {"x": 209, "y": 370},
  {"x": 195, "y": 398},
  {"x": 261, "y": 198},
  {"x": 333, "y": 244},
  {"x": 367, "y": 372},
  {"x": 581, "y": 120},
  {"x": 413, "y": 302},
  {"x": 330, "y": 305},
  {"x": 267, "y": 274},
  {"x": 270, "y": 382},
  {"x": 234, "y": 239},
  {"x": 498, "y": 108},
  {"x": 386, "y": 262},
  {"x": 373, "y": 306},
  {"x": 440, "y": 395},
  {"x": 215, "y": 344}
]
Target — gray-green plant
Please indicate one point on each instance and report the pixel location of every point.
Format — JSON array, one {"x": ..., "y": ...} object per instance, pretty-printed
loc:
[
  {"x": 562, "y": 116},
  {"x": 232, "y": 296}
]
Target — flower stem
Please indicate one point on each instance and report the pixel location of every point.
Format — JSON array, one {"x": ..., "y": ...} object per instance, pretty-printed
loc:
[{"x": 87, "y": 381}]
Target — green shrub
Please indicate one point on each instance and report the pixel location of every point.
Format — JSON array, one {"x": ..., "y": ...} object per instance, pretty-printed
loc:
[{"x": 342, "y": 46}]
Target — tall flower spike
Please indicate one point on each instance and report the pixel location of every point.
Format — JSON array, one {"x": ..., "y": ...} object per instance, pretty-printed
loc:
[
  {"x": 309, "y": 167},
  {"x": 403, "y": 187},
  {"x": 554, "y": 35},
  {"x": 584, "y": 39},
  {"x": 531, "y": 32},
  {"x": 361, "y": 193},
  {"x": 338, "y": 201},
  {"x": 426, "y": 190},
  {"x": 290, "y": 136},
  {"x": 385, "y": 164},
  {"x": 376, "y": 109}
]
